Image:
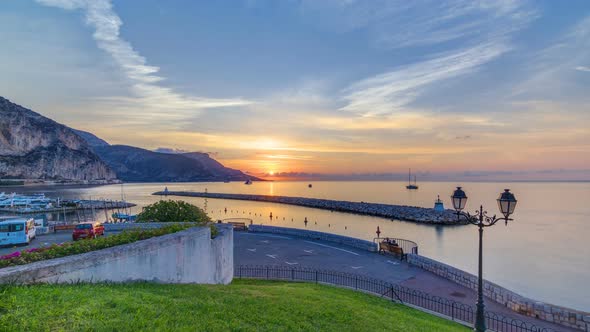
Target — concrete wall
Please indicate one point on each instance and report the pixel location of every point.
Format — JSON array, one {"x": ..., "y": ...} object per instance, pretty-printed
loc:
[
  {"x": 548, "y": 312},
  {"x": 345, "y": 240},
  {"x": 189, "y": 256},
  {"x": 123, "y": 226}
]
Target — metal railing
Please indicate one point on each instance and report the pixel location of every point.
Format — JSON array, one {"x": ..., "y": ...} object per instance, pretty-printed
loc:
[
  {"x": 409, "y": 247},
  {"x": 450, "y": 309}
]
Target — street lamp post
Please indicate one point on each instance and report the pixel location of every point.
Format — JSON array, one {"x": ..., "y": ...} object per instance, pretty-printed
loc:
[{"x": 506, "y": 204}]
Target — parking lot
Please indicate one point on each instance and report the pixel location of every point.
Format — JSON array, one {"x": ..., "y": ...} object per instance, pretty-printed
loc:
[{"x": 42, "y": 241}]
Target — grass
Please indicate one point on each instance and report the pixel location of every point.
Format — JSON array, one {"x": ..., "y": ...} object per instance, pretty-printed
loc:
[{"x": 245, "y": 305}]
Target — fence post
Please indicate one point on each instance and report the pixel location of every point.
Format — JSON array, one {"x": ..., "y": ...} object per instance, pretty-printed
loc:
[
  {"x": 267, "y": 272},
  {"x": 356, "y": 281},
  {"x": 240, "y": 272},
  {"x": 316, "y": 276},
  {"x": 292, "y": 274},
  {"x": 453, "y": 310},
  {"x": 391, "y": 292}
]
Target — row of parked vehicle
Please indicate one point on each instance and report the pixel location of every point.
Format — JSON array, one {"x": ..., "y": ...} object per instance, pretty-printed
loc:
[{"x": 21, "y": 231}]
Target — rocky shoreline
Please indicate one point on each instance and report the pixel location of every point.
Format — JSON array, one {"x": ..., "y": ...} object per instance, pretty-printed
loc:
[{"x": 399, "y": 212}]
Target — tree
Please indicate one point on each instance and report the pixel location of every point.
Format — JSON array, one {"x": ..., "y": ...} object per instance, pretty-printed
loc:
[{"x": 173, "y": 211}]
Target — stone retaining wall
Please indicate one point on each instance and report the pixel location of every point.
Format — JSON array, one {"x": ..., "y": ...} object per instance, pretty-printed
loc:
[
  {"x": 548, "y": 312},
  {"x": 188, "y": 256},
  {"x": 314, "y": 235}
]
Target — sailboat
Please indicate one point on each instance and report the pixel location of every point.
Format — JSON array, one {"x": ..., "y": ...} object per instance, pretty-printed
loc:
[
  {"x": 410, "y": 185},
  {"x": 125, "y": 215}
]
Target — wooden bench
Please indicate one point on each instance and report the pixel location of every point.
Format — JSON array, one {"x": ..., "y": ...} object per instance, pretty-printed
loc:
[
  {"x": 239, "y": 226},
  {"x": 393, "y": 249}
]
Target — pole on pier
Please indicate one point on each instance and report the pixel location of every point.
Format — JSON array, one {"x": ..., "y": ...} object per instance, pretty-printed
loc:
[{"x": 106, "y": 215}]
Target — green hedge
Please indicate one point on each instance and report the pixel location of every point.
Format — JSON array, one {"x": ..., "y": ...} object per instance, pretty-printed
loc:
[
  {"x": 83, "y": 246},
  {"x": 173, "y": 211}
]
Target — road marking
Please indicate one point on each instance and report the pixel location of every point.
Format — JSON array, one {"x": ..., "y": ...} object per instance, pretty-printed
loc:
[
  {"x": 268, "y": 235},
  {"x": 394, "y": 263},
  {"x": 272, "y": 256},
  {"x": 323, "y": 245},
  {"x": 309, "y": 251},
  {"x": 357, "y": 267},
  {"x": 291, "y": 263},
  {"x": 252, "y": 250}
]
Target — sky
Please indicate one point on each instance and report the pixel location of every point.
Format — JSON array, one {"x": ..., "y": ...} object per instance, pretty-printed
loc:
[{"x": 294, "y": 88}]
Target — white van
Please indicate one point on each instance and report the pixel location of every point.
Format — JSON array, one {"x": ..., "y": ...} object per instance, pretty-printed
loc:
[{"x": 17, "y": 231}]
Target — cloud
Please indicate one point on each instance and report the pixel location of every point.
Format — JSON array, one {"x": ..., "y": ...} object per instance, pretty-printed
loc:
[
  {"x": 399, "y": 23},
  {"x": 549, "y": 73},
  {"x": 391, "y": 91},
  {"x": 100, "y": 15}
]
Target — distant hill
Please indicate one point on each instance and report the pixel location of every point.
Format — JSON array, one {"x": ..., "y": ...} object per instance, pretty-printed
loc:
[
  {"x": 35, "y": 147},
  {"x": 90, "y": 138},
  {"x": 140, "y": 165}
]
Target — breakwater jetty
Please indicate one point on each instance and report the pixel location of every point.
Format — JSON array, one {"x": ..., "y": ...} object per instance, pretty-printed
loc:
[{"x": 389, "y": 211}]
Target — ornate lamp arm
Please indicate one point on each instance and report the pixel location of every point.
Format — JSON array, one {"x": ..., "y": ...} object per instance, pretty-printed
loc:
[{"x": 480, "y": 218}]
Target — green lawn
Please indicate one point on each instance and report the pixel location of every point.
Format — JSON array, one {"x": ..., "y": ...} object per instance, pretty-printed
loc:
[{"x": 245, "y": 305}]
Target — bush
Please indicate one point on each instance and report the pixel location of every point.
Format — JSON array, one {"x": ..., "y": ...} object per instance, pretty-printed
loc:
[
  {"x": 173, "y": 211},
  {"x": 79, "y": 247}
]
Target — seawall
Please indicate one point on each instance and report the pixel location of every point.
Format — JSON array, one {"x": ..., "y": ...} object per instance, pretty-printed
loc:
[
  {"x": 532, "y": 308},
  {"x": 389, "y": 211}
]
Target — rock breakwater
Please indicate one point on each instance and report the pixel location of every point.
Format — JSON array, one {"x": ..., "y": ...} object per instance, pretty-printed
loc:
[{"x": 389, "y": 211}]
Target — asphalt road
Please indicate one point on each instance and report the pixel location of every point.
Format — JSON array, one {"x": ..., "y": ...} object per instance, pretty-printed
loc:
[{"x": 271, "y": 249}]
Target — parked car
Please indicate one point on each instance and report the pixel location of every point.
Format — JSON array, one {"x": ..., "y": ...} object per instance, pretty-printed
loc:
[
  {"x": 88, "y": 230},
  {"x": 17, "y": 231}
]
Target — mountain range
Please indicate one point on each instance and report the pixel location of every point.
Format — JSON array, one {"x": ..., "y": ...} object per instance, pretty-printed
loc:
[{"x": 35, "y": 147}]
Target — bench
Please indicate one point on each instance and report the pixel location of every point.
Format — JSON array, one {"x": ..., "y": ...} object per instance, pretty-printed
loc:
[
  {"x": 393, "y": 249},
  {"x": 238, "y": 226}
]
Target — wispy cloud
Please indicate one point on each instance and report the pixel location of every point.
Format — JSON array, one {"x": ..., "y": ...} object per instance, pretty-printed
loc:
[
  {"x": 391, "y": 91},
  {"x": 144, "y": 78},
  {"x": 400, "y": 23},
  {"x": 549, "y": 72}
]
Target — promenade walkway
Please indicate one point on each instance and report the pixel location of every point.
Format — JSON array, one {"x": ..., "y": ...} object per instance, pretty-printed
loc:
[{"x": 271, "y": 249}]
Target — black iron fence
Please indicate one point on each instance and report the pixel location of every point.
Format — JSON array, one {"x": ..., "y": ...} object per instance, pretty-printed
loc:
[{"x": 453, "y": 310}]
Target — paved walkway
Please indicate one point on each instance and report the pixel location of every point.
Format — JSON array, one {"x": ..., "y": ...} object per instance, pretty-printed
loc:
[{"x": 271, "y": 249}]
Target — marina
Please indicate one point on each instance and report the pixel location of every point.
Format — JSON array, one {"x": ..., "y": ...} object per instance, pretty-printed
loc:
[{"x": 39, "y": 203}]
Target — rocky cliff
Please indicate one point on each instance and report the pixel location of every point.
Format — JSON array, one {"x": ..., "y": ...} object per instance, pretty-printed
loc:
[
  {"x": 140, "y": 165},
  {"x": 35, "y": 147}
]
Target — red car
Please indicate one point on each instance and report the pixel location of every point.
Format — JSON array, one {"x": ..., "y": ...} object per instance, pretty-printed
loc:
[{"x": 88, "y": 230}]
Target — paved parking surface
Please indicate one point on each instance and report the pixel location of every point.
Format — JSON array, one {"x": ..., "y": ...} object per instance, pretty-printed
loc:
[
  {"x": 43, "y": 241},
  {"x": 271, "y": 249}
]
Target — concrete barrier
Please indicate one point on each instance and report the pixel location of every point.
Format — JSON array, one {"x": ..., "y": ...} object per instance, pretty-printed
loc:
[
  {"x": 314, "y": 235},
  {"x": 124, "y": 226},
  {"x": 188, "y": 256}
]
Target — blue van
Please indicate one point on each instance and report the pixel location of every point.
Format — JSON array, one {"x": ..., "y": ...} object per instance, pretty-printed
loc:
[{"x": 17, "y": 231}]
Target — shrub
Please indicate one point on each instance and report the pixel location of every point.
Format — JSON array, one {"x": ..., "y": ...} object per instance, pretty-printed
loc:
[
  {"x": 173, "y": 211},
  {"x": 79, "y": 247}
]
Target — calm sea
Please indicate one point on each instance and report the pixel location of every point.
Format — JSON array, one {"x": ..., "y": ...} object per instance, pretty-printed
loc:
[{"x": 543, "y": 254}]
